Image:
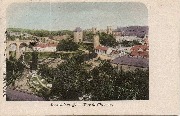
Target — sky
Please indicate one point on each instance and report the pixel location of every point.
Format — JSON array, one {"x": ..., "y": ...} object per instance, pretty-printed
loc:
[{"x": 68, "y": 16}]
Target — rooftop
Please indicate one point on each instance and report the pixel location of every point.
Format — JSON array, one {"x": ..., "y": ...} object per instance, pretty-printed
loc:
[
  {"x": 78, "y": 29},
  {"x": 46, "y": 45},
  {"x": 14, "y": 95},
  {"x": 101, "y": 48},
  {"x": 137, "y": 47},
  {"x": 144, "y": 54},
  {"x": 132, "y": 61}
]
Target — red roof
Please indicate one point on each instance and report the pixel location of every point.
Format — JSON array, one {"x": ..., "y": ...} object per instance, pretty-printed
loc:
[
  {"x": 140, "y": 50},
  {"x": 144, "y": 54},
  {"x": 137, "y": 47},
  {"x": 46, "y": 45},
  {"x": 101, "y": 48}
]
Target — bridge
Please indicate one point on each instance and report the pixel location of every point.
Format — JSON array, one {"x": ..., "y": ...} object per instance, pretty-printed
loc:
[
  {"x": 25, "y": 43},
  {"x": 18, "y": 44}
]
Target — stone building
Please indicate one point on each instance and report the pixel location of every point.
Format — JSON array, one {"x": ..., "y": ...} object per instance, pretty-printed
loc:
[
  {"x": 94, "y": 30},
  {"x": 45, "y": 47},
  {"x": 127, "y": 63},
  {"x": 101, "y": 50},
  {"x": 117, "y": 32},
  {"x": 96, "y": 41},
  {"x": 95, "y": 37},
  {"x": 109, "y": 30},
  {"x": 78, "y": 35}
]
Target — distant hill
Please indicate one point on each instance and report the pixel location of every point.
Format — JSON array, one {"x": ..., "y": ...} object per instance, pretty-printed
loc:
[{"x": 139, "y": 31}]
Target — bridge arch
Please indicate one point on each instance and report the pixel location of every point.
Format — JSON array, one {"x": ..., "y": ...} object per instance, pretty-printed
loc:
[
  {"x": 21, "y": 46},
  {"x": 11, "y": 49}
]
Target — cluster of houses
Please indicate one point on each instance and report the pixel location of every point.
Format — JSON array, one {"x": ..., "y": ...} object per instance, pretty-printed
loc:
[
  {"x": 127, "y": 58},
  {"x": 19, "y": 34},
  {"x": 45, "y": 47},
  {"x": 133, "y": 56}
]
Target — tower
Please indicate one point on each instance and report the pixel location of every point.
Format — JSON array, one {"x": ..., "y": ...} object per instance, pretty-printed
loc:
[
  {"x": 95, "y": 37},
  {"x": 94, "y": 30},
  {"x": 109, "y": 30},
  {"x": 96, "y": 40},
  {"x": 78, "y": 35}
]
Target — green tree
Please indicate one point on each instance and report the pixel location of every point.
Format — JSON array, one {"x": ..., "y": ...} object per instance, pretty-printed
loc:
[
  {"x": 67, "y": 45},
  {"x": 111, "y": 84},
  {"x": 103, "y": 81},
  {"x": 107, "y": 40},
  {"x": 126, "y": 43},
  {"x": 34, "y": 62},
  {"x": 136, "y": 42},
  {"x": 132, "y": 85},
  {"x": 14, "y": 70},
  {"x": 47, "y": 73},
  {"x": 88, "y": 36},
  {"x": 70, "y": 81}
]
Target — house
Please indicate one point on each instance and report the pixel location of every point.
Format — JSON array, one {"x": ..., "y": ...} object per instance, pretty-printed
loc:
[
  {"x": 118, "y": 53},
  {"x": 140, "y": 51},
  {"x": 125, "y": 49},
  {"x": 117, "y": 32},
  {"x": 26, "y": 35},
  {"x": 101, "y": 50},
  {"x": 114, "y": 54},
  {"x": 130, "y": 63},
  {"x": 17, "y": 34},
  {"x": 110, "y": 50},
  {"x": 128, "y": 38},
  {"x": 45, "y": 47}
]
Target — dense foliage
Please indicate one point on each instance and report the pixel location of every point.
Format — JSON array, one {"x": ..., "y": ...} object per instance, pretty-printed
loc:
[
  {"x": 71, "y": 80},
  {"x": 88, "y": 36},
  {"x": 126, "y": 43},
  {"x": 39, "y": 33},
  {"x": 34, "y": 62},
  {"x": 14, "y": 70},
  {"x": 67, "y": 45},
  {"x": 107, "y": 40}
]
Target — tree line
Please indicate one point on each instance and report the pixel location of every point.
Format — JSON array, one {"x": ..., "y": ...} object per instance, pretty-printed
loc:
[
  {"x": 41, "y": 33},
  {"x": 126, "y": 43}
]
